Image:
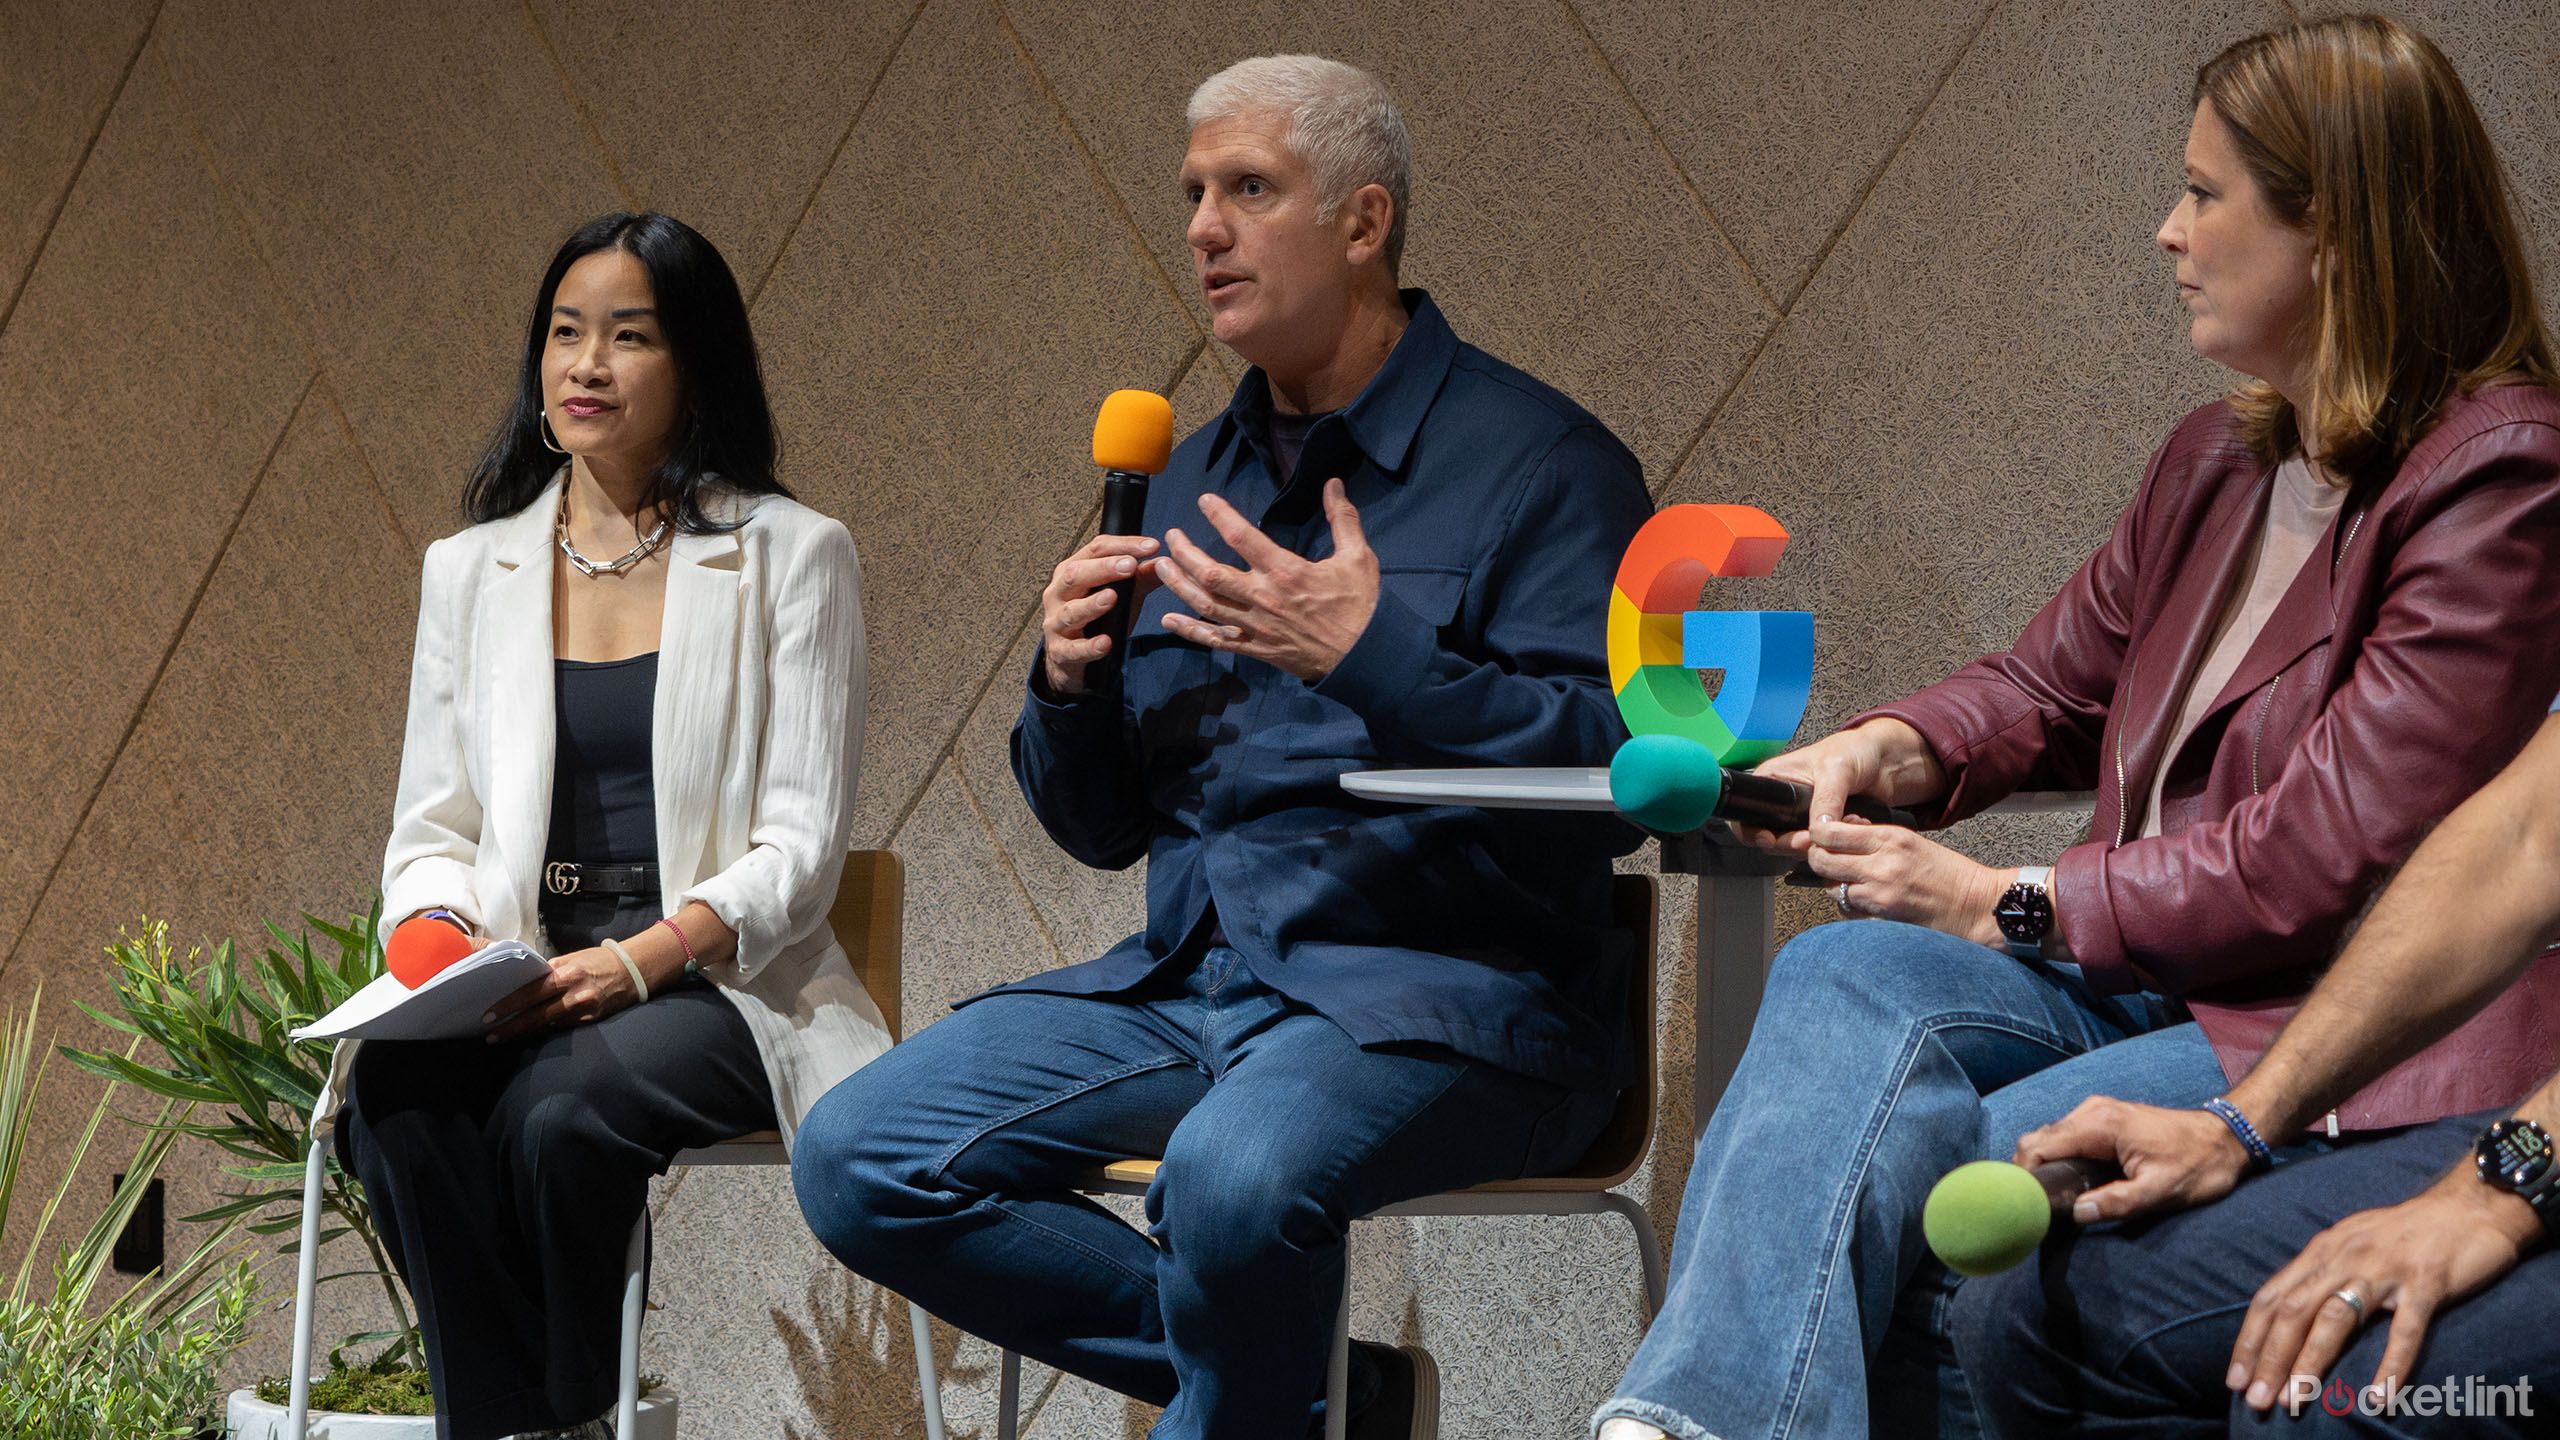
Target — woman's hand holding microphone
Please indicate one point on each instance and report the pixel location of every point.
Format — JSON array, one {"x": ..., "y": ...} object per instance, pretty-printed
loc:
[{"x": 1886, "y": 872}]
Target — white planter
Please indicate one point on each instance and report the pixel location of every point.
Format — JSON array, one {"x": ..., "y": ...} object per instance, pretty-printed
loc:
[{"x": 250, "y": 1418}]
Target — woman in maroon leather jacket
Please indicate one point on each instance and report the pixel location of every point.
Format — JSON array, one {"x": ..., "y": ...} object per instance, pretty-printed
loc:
[{"x": 2327, "y": 616}]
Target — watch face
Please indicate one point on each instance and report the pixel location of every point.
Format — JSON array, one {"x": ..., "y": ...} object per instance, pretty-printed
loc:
[
  {"x": 2025, "y": 913},
  {"x": 2515, "y": 1153}
]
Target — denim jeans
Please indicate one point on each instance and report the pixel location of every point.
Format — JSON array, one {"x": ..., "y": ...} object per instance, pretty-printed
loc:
[
  {"x": 1884, "y": 1056},
  {"x": 2127, "y": 1330},
  {"x": 941, "y": 1170}
]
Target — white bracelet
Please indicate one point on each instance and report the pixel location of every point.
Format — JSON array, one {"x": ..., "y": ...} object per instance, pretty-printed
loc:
[{"x": 631, "y": 965}]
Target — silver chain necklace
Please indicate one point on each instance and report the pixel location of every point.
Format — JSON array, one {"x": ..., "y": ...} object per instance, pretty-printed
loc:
[{"x": 646, "y": 547}]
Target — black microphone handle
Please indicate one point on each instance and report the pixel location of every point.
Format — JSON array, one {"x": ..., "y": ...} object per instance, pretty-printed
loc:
[
  {"x": 2066, "y": 1180},
  {"x": 1774, "y": 802},
  {"x": 1124, "y": 512}
]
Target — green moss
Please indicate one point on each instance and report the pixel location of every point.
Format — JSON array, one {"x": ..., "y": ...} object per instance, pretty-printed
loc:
[
  {"x": 377, "y": 1390},
  {"x": 365, "y": 1390}
]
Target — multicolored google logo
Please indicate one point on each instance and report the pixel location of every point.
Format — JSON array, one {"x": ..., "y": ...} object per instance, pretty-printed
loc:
[{"x": 1659, "y": 641}]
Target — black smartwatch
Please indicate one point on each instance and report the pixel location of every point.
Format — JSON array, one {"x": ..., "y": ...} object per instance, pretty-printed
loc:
[
  {"x": 2516, "y": 1156},
  {"x": 2025, "y": 913}
]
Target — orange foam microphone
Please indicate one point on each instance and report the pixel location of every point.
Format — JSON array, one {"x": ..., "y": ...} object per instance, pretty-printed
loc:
[
  {"x": 1132, "y": 440},
  {"x": 421, "y": 947}
]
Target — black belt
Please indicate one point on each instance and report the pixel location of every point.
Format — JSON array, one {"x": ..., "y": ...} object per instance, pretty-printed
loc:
[{"x": 567, "y": 877}]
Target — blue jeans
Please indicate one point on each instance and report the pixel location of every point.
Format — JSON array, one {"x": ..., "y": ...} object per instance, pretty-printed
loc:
[
  {"x": 941, "y": 1170},
  {"x": 1884, "y": 1056},
  {"x": 2127, "y": 1330}
]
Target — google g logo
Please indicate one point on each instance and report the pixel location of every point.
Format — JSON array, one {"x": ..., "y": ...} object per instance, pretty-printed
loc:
[{"x": 1659, "y": 640}]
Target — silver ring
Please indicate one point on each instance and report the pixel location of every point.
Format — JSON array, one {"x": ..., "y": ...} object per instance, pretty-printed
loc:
[
  {"x": 1841, "y": 896},
  {"x": 2354, "y": 1301}
]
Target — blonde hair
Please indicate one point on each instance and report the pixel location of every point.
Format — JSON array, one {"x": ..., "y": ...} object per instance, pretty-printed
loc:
[
  {"x": 1343, "y": 123},
  {"x": 2358, "y": 131}
]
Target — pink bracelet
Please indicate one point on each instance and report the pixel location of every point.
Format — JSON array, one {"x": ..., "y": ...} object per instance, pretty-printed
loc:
[{"x": 689, "y": 962}]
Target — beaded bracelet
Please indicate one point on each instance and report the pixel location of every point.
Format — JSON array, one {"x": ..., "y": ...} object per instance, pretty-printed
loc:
[
  {"x": 2260, "y": 1157},
  {"x": 692, "y": 967}
]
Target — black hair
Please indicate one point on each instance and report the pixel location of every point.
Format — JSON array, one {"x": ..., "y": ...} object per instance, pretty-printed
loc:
[{"x": 726, "y": 429}]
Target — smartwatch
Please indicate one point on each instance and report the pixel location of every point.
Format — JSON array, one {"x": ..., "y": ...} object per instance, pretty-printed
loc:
[
  {"x": 2025, "y": 913},
  {"x": 2516, "y": 1156}
]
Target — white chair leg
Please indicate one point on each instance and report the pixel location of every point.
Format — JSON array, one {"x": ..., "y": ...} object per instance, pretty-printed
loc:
[
  {"x": 1648, "y": 1249},
  {"x": 1337, "y": 1367},
  {"x": 1008, "y": 1396},
  {"x": 635, "y": 1300},
  {"x": 306, "y": 1282},
  {"x": 928, "y": 1383}
]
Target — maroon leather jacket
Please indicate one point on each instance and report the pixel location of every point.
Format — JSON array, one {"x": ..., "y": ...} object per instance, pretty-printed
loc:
[{"x": 2393, "y": 679}]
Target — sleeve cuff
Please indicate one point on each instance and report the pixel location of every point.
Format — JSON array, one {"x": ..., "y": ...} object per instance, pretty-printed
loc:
[
  {"x": 432, "y": 883},
  {"x": 1386, "y": 664},
  {"x": 755, "y": 946},
  {"x": 2097, "y": 946},
  {"x": 1932, "y": 814},
  {"x": 1058, "y": 711}
]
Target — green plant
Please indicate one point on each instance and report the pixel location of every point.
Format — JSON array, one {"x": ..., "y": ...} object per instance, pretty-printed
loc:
[
  {"x": 142, "y": 1366},
  {"x": 224, "y": 1030}
]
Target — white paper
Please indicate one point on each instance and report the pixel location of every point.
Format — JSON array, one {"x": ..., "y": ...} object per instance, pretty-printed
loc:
[{"x": 447, "y": 1007}]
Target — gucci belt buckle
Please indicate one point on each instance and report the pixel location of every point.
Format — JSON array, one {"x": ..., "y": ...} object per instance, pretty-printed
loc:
[{"x": 560, "y": 877}]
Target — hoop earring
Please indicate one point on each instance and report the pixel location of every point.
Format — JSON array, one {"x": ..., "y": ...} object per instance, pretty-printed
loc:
[{"x": 542, "y": 427}]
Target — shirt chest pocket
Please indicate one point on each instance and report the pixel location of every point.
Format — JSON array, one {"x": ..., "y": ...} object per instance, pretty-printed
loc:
[
  {"x": 1321, "y": 729},
  {"x": 1430, "y": 591}
]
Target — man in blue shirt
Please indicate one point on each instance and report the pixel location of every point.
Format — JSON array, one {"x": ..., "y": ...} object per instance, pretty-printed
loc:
[{"x": 1390, "y": 550}]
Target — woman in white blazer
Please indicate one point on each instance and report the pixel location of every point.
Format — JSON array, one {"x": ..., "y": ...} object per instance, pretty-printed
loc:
[{"x": 635, "y": 718}]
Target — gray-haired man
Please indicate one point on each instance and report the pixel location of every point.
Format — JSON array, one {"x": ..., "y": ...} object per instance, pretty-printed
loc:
[{"x": 1383, "y": 553}]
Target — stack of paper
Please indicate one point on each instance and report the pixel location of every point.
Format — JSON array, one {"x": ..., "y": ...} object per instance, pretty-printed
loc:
[{"x": 447, "y": 1007}]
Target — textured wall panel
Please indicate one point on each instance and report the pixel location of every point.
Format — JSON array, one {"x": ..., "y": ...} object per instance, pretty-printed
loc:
[
  {"x": 1780, "y": 135},
  {"x": 761, "y": 1332},
  {"x": 1963, "y": 393},
  {"x": 969, "y": 926},
  {"x": 1966, "y": 394},
  {"x": 143, "y": 379},
  {"x": 408, "y": 171},
  {"x": 1082, "y": 911},
  {"x": 64, "y": 61},
  {"x": 957, "y": 303},
  {"x": 728, "y": 131},
  {"x": 258, "y": 782},
  {"x": 1544, "y": 220},
  {"x": 2509, "y": 58}
]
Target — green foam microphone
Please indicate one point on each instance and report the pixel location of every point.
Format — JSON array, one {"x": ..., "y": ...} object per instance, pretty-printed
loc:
[{"x": 1988, "y": 1216}]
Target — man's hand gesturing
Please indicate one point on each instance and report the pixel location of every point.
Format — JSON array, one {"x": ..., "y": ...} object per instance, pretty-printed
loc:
[{"x": 1299, "y": 614}]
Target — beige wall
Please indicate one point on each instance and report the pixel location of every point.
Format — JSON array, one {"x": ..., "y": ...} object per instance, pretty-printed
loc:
[{"x": 1883, "y": 269}]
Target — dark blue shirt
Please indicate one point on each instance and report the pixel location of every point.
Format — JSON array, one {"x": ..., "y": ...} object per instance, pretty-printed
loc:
[{"x": 1498, "y": 510}]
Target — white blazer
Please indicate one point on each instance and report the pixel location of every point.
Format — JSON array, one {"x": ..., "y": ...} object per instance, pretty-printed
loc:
[{"x": 755, "y": 736}]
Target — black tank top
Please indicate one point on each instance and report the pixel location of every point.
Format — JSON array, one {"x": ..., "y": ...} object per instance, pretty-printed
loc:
[{"x": 604, "y": 803}]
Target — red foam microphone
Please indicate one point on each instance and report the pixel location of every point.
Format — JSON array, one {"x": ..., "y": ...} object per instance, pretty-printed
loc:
[{"x": 421, "y": 947}]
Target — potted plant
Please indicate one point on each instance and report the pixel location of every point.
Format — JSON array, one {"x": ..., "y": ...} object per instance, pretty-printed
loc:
[
  {"x": 223, "y": 1030},
  {"x": 144, "y": 1364}
]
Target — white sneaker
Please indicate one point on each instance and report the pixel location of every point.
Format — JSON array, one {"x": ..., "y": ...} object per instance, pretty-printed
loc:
[{"x": 1622, "y": 1428}]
